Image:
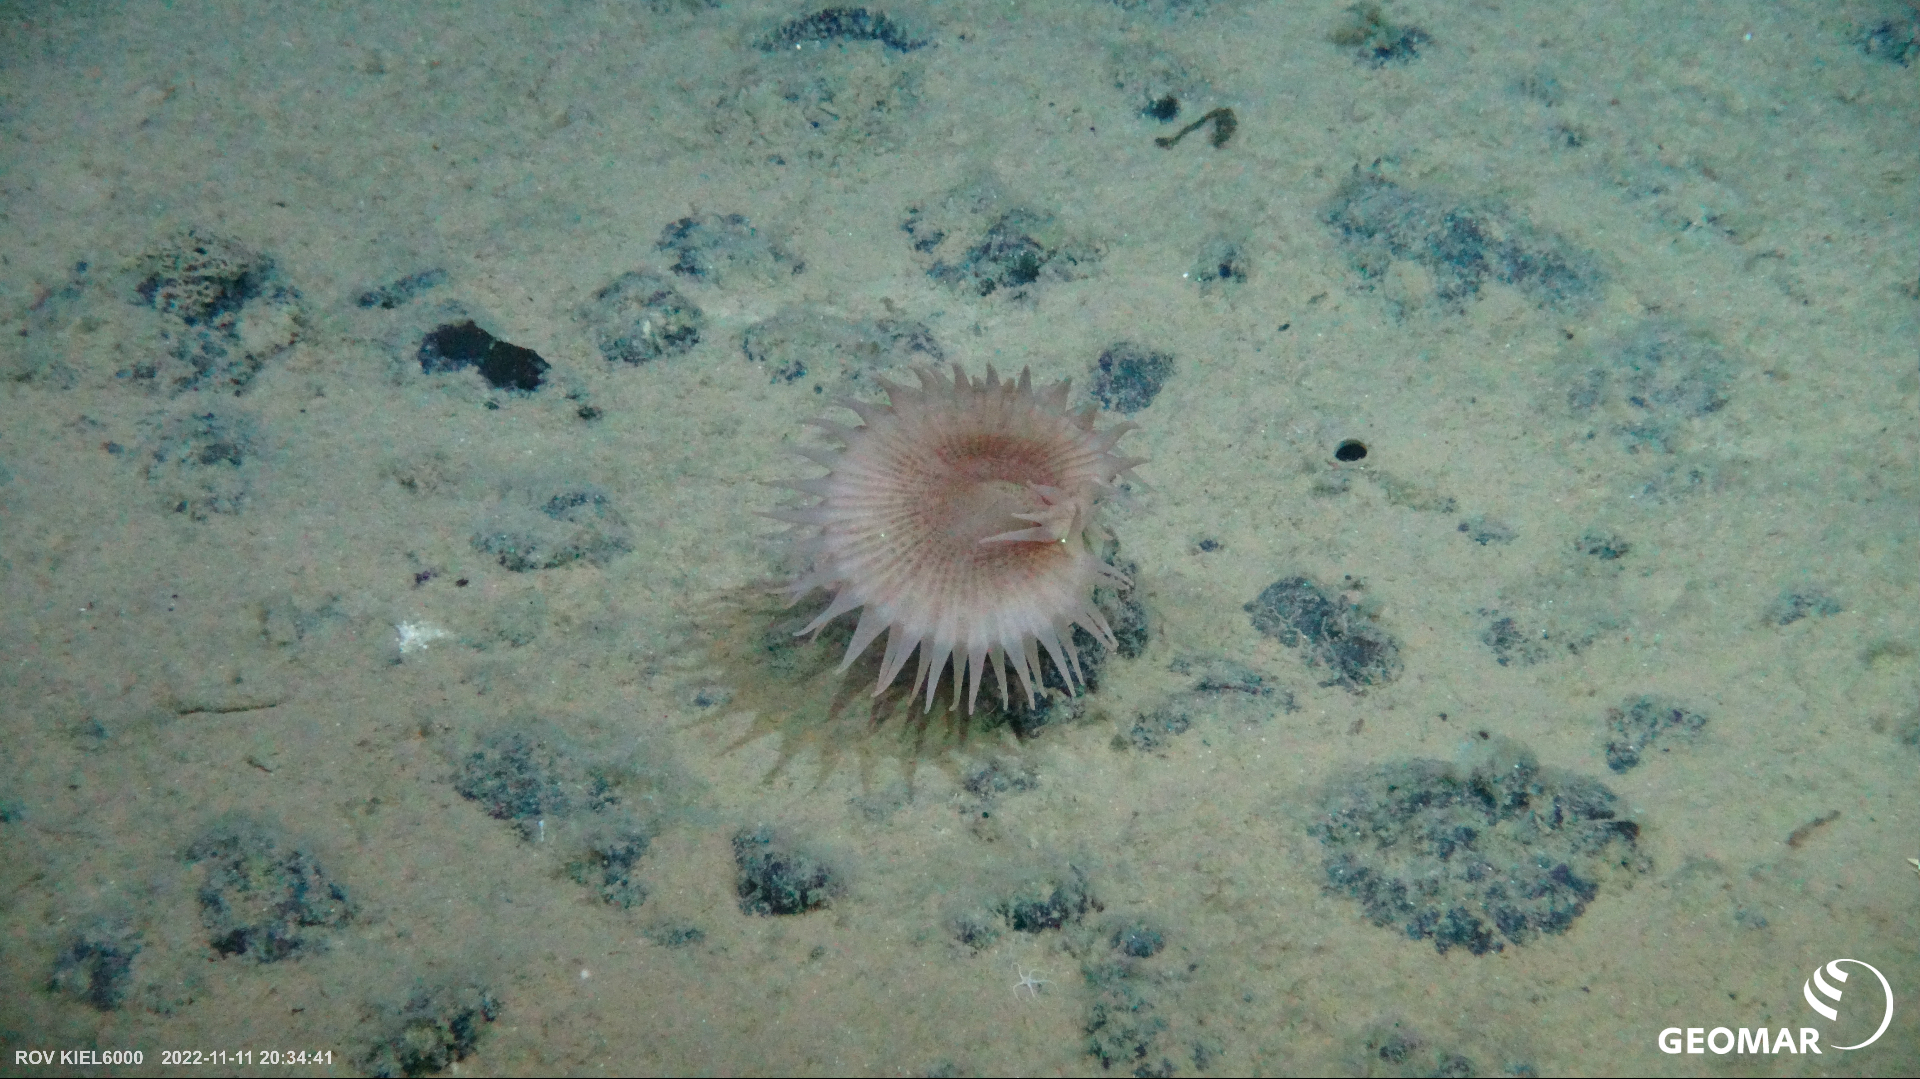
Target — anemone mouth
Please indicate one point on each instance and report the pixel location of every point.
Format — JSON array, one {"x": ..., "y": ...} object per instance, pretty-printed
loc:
[{"x": 956, "y": 518}]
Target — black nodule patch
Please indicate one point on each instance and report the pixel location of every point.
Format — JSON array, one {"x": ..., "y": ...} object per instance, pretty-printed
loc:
[
  {"x": 1463, "y": 244},
  {"x": 505, "y": 366}
]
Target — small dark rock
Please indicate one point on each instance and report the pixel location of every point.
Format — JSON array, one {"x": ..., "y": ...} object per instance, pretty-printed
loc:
[
  {"x": 796, "y": 344},
  {"x": 1049, "y": 903},
  {"x": 1003, "y": 775},
  {"x": 640, "y": 317},
  {"x": 262, "y": 900},
  {"x": 675, "y": 934},
  {"x": 606, "y": 864},
  {"x": 977, "y": 929},
  {"x": 203, "y": 463},
  {"x": 1638, "y": 723},
  {"x": 1222, "y": 262},
  {"x": 96, "y": 967},
  {"x": 1154, "y": 730},
  {"x": 1650, "y": 382},
  {"x": 1791, "y": 607},
  {"x": 1138, "y": 941},
  {"x": 1299, "y": 614},
  {"x": 396, "y": 293},
  {"x": 1895, "y": 40},
  {"x": 1484, "y": 530},
  {"x": 1128, "y": 377},
  {"x": 1375, "y": 40},
  {"x": 519, "y": 777},
  {"x": 720, "y": 246},
  {"x": 778, "y": 878},
  {"x": 201, "y": 278},
  {"x": 432, "y": 1032},
  {"x": 1123, "y": 1023},
  {"x": 1018, "y": 249},
  {"x": 1216, "y": 675},
  {"x": 843, "y": 24},
  {"x": 532, "y": 529},
  {"x": 1604, "y": 546},
  {"x": 227, "y": 312}
]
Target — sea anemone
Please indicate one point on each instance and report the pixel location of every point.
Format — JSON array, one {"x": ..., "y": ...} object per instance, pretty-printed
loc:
[{"x": 957, "y": 516}]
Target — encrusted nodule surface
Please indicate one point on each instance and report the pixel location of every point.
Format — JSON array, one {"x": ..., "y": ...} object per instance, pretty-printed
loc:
[{"x": 1478, "y": 857}]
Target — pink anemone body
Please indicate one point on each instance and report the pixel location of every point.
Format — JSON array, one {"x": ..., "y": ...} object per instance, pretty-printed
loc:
[{"x": 956, "y": 518}]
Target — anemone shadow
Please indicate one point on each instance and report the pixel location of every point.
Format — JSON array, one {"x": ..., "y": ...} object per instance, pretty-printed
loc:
[{"x": 743, "y": 657}]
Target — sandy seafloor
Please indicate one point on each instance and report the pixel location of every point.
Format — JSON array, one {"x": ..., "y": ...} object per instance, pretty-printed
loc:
[{"x": 1621, "y": 299}]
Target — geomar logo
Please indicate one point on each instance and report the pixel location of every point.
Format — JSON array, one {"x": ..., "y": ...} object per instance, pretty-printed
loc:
[
  {"x": 1825, "y": 983},
  {"x": 1826, "y": 989}
]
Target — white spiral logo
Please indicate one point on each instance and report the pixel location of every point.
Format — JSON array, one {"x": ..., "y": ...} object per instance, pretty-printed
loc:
[{"x": 1832, "y": 970}]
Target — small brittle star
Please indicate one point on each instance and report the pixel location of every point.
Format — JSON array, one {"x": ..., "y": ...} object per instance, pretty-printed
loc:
[{"x": 1030, "y": 981}]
